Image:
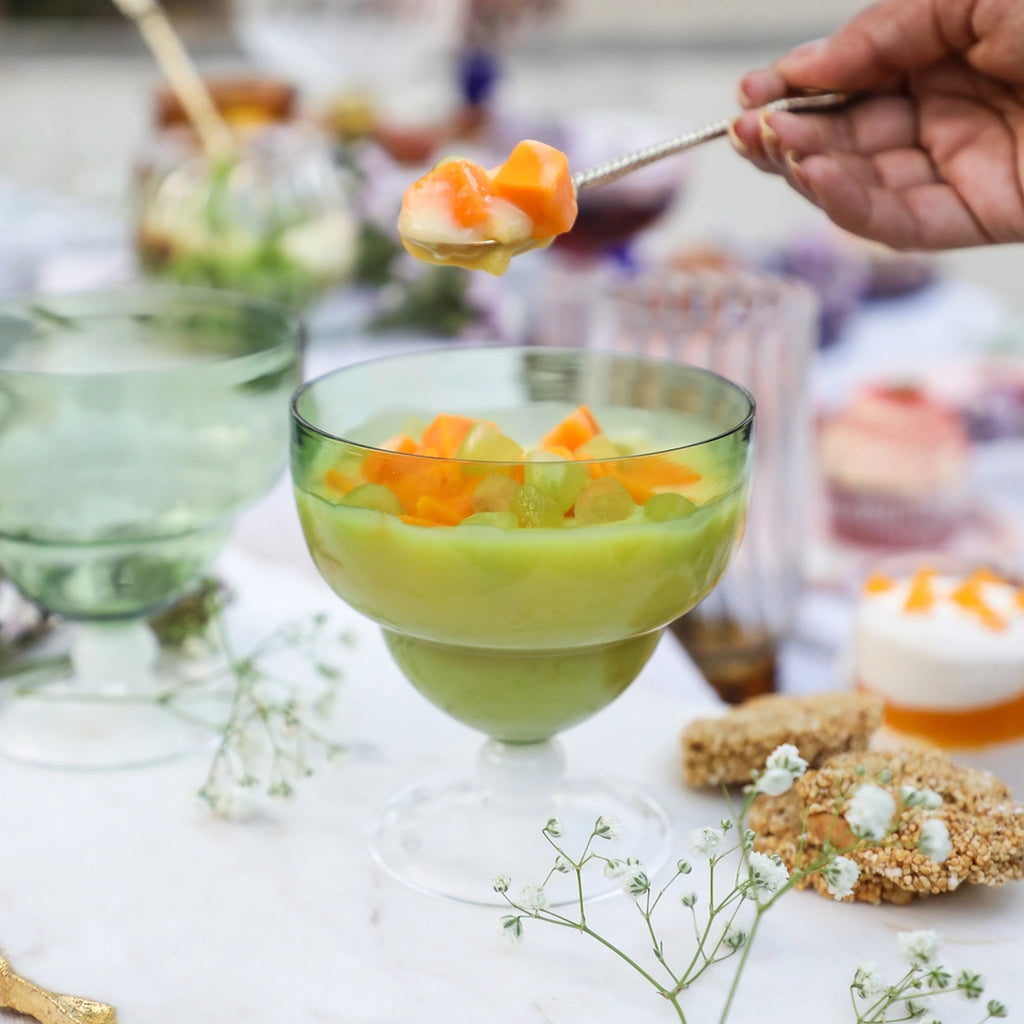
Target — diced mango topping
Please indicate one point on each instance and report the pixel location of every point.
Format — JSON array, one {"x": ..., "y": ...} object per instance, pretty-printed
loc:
[
  {"x": 536, "y": 179},
  {"x": 968, "y": 595},
  {"x": 878, "y": 583},
  {"x": 921, "y": 596},
  {"x": 554, "y": 484}
]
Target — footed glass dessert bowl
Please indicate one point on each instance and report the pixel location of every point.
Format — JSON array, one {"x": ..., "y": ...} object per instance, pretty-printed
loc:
[
  {"x": 135, "y": 426},
  {"x": 523, "y": 523}
]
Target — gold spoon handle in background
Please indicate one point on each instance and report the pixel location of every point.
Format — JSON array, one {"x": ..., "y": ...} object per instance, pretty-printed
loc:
[
  {"x": 613, "y": 169},
  {"x": 22, "y": 996},
  {"x": 180, "y": 73}
]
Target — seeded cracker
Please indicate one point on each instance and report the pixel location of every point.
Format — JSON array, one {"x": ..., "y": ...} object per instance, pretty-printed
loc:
[
  {"x": 728, "y": 748},
  {"x": 986, "y": 825}
]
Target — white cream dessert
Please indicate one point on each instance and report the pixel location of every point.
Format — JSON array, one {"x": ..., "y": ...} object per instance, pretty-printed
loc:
[{"x": 946, "y": 653}]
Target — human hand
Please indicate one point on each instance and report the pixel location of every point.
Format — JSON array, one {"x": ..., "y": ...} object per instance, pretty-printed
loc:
[{"x": 933, "y": 156}]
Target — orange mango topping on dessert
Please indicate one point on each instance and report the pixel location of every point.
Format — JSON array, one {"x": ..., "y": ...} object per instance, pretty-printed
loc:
[
  {"x": 921, "y": 596},
  {"x": 968, "y": 595},
  {"x": 878, "y": 583},
  {"x": 467, "y": 467},
  {"x": 575, "y": 430}
]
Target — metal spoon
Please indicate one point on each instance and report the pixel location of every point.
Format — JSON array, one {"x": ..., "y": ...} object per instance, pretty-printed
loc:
[
  {"x": 604, "y": 173},
  {"x": 492, "y": 255}
]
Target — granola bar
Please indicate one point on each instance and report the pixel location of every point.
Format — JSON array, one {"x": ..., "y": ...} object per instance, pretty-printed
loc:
[
  {"x": 986, "y": 825},
  {"x": 726, "y": 749}
]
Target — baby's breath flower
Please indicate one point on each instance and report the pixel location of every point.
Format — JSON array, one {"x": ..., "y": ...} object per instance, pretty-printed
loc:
[
  {"x": 748, "y": 839},
  {"x": 614, "y": 868},
  {"x": 996, "y": 1008},
  {"x": 636, "y": 883},
  {"x": 840, "y": 876},
  {"x": 784, "y": 764},
  {"x": 868, "y": 981},
  {"x": 918, "y": 948},
  {"x": 938, "y": 977},
  {"x": 971, "y": 984},
  {"x": 914, "y": 1009},
  {"x": 767, "y": 875},
  {"x": 689, "y": 899},
  {"x": 925, "y": 798},
  {"x": 532, "y": 897},
  {"x": 933, "y": 841},
  {"x": 706, "y": 842},
  {"x": 563, "y": 864},
  {"x": 608, "y": 826},
  {"x": 554, "y": 828},
  {"x": 870, "y": 812},
  {"x": 684, "y": 867},
  {"x": 774, "y": 781},
  {"x": 501, "y": 883},
  {"x": 735, "y": 937},
  {"x": 512, "y": 927}
]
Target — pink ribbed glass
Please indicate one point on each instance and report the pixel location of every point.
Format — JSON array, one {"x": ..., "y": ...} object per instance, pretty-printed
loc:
[{"x": 761, "y": 332}]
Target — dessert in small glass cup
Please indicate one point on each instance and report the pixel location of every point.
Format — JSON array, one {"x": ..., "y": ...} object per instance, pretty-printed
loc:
[
  {"x": 941, "y": 639},
  {"x": 895, "y": 462},
  {"x": 135, "y": 426},
  {"x": 519, "y": 590},
  {"x": 272, "y": 217}
]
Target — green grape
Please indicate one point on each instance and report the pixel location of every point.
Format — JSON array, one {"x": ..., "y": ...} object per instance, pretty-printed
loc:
[
  {"x": 603, "y": 501},
  {"x": 494, "y": 493},
  {"x": 373, "y": 496},
  {"x": 558, "y": 478},
  {"x": 600, "y": 446},
  {"x": 533, "y": 508},
  {"x": 484, "y": 441},
  {"x": 668, "y": 505}
]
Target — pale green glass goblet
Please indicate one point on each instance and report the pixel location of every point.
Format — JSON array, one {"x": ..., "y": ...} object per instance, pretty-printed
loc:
[
  {"x": 135, "y": 426},
  {"x": 524, "y": 621}
]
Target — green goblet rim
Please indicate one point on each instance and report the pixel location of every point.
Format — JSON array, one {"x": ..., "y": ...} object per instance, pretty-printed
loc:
[
  {"x": 152, "y": 301},
  {"x": 555, "y": 352}
]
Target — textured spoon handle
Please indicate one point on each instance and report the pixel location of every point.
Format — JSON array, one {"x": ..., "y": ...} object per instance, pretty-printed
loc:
[
  {"x": 20, "y": 995},
  {"x": 617, "y": 168}
]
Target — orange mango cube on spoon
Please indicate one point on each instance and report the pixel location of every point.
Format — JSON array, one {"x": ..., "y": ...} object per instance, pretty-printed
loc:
[{"x": 463, "y": 215}]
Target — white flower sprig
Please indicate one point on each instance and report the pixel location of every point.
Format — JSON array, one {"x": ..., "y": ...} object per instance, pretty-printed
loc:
[
  {"x": 876, "y": 1001},
  {"x": 729, "y": 918},
  {"x": 268, "y": 737}
]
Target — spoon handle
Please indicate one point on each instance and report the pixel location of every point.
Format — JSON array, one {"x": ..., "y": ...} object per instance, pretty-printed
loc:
[
  {"x": 604, "y": 173},
  {"x": 21, "y": 996}
]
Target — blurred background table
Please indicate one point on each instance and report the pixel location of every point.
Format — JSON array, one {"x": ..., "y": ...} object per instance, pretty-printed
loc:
[{"x": 172, "y": 915}]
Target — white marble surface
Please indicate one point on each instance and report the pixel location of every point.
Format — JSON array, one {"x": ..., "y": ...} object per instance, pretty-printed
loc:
[{"x": 122, "y": 887}]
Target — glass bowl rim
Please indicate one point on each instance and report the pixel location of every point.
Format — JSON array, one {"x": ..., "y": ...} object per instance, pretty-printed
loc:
[
  {"x": 744, "y": 423},
  {"x": 293, "y": 333}
]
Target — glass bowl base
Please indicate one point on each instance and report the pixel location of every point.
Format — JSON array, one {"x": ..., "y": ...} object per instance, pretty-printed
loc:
[
  {"x": 452, "y": 836},
  {"x": 56, "y": 727}
]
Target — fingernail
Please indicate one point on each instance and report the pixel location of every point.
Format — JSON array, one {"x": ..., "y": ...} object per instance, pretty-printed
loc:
[
  {"x": 769, "y": 136},
  {"x": 742, "y": 98},
  {"x": 795, "y": 168},
  {"x": 737, "y": 143}
]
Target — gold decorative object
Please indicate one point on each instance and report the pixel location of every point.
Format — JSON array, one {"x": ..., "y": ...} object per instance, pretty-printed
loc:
[{"x": 20, "y": 995}]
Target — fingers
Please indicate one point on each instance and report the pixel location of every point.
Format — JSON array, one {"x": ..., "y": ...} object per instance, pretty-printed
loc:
[
  {"x": 873, "y": 126},
  {"x": 926, "y": 214}
]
